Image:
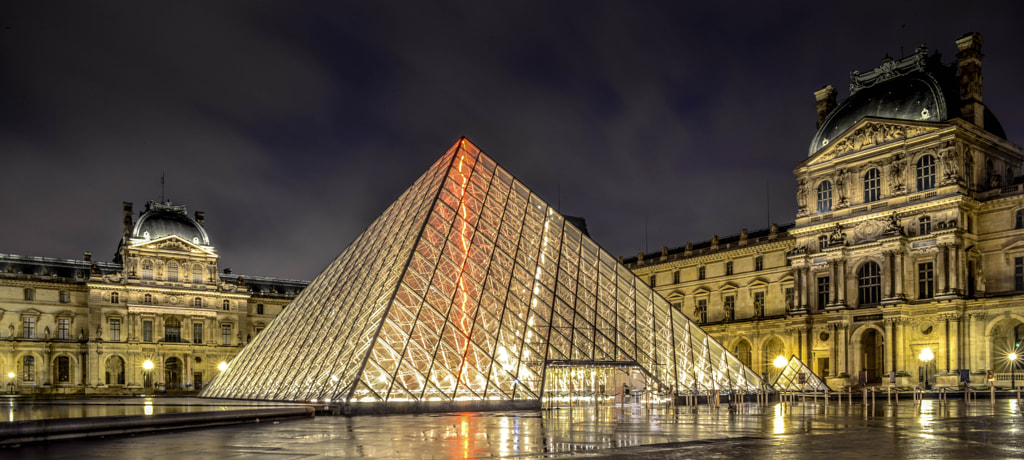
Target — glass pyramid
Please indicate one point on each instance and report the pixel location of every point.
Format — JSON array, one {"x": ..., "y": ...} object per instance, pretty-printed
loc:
[
  {"x": 463, "y": 290},
  {"x": 790, "y": 380}
]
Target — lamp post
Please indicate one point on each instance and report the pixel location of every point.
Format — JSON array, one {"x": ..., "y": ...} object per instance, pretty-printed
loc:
[
  {"x": 926, "y": 356},
  {"x": 147, "y": 366},
  {"x": 10, "y": 383},
  {"x": 1012, "y": 358}
]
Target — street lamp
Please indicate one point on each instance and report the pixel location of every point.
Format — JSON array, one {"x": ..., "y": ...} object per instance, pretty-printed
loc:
[
  {"x": 926, "y": 356},
  {"x": 147, "y": 365},
  {"x": 223, "y": 366},
  {"x": 10, "y": 384},
  {"x": 1012, "y": 358}
]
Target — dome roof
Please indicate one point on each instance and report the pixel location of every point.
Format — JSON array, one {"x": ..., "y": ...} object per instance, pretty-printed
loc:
[
  {"x": 915, "y": 97},
  {"x": 164, "y": 219},
  {"x": 916, "y": 88}
]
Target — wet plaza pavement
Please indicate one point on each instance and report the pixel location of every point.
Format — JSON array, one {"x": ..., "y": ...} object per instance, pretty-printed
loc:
[
  {"x": 928, "y": 429},
  {"x": 13, "y": 409}
]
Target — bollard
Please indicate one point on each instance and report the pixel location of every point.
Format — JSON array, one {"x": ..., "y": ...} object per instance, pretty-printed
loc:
[
  {"x": 865, "y": 400},
  {"x": 850, "y": 396},
  {"x": 992, "y": 394},
  {"x": 888, "y": 395}
]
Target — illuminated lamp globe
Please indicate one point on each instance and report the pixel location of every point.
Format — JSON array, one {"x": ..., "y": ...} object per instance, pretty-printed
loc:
[
  {"x": 147, "y": 365},
  {"x": 223, "y": 366},
  {"x": 10, "y": 375},
  {"x": 926, "y": 355},
  {"x": 1012, "y": 356},
  {"x": 780, "y": 362}
]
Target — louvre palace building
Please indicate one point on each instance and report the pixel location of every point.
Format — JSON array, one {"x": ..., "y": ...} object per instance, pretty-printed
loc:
[
  {"x": 906, "y": 260},
  {"x": 160, "y": 318}
]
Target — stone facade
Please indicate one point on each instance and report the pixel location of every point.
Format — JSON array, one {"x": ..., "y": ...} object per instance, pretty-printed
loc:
[
  {"x": 85, "y": 327},
  {"x": 909, "y": 235}
]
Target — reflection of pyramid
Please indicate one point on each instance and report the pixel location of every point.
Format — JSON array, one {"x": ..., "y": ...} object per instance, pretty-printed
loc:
[
  {"x": 464, "y": 289},
  {"x": 790, "y": 380}
]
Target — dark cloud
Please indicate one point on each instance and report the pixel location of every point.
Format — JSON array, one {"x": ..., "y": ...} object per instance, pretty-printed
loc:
[{"x": 293, "y": 125}]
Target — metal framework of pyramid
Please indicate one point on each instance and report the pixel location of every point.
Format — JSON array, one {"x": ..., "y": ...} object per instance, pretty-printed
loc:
[
  {"x": 790, "y": 380},
  {"x": 465, "y": 289}
]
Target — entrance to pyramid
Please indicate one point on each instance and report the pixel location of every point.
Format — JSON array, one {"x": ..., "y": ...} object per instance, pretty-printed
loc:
[{"x": 589, "y": 384}]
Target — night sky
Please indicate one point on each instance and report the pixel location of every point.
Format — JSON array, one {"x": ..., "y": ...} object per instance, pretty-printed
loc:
[{"x": 292, "y": 125}]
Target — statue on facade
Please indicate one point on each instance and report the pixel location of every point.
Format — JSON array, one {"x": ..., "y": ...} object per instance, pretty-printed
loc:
[
  {"x": 896, "y": 173},
  {"x": 980, "y": 280},
  {"x": 893, "y": 224},
  {"x": 801, "y": 196},
  {"x": 950, "y": 159},
  {"x": 841, "y": 188},
  {"x": 837, "y": 237}
]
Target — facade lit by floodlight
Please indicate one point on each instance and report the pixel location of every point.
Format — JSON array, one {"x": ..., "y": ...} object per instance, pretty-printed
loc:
[{"x": 470, "y": 288}]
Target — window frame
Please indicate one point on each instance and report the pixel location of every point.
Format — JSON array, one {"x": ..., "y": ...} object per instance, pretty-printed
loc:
[
  {"x": 926, "y": 280},
  {"x": 869, "y": 284},
  {"x": 824, "y": 202},
  {"x": 872, "y": 185},
  {"x": 925, "y": 168}
]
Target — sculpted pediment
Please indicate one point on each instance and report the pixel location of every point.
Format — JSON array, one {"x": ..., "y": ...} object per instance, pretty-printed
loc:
[
  {"x": 173, "y": 243},
  {"x": 868, "y": 133}
]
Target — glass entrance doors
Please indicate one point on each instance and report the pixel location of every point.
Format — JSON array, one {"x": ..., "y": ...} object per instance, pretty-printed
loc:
[{"x": 567, "y": 385}]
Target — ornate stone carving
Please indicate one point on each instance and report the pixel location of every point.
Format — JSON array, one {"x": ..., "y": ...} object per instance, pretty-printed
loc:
[
  {"x": 896, "y": 174},
  {"x": 868, "y": 230},
  {"x": 837, "y": 237},
  {"x": 893, "y": 226},
  {"x": 889, "y": 69},
  {"x": 950, "y": 157},
  {"x": 801, "y": 196}
]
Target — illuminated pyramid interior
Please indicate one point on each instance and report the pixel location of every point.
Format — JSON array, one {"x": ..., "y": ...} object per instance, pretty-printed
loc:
[
  {"x": 790, "y": 378},
  {"x": 467, "y": 288}
]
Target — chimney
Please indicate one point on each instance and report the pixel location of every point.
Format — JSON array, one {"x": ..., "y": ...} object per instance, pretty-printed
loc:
[
  {"x": 87, "y": 255},
  {"x": 201, "y": 218},
  {"x": 127, "y": 217},
  {"x": 825, "y": 101},
  {"x": 969, "y": 60}
]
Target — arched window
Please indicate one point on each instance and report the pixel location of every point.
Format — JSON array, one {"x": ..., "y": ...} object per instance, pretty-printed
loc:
[
  {"x": 147, "y": 269},
  {"x": 924, "y": 225},
  {"x": 63, "y": 369},
  {"x": 197, "y": 302},
  {"x": 147, "y": 299},
  {"x": 744, "y": 352},
  {"x": 824, "y": 197},
  {"x": 172, "y": 272},
  {"x": 227, "y": 305},
  {"x": 869, "y": 284},
  {"x": 872, "y": 185},
  {"x": 28, "y": 368},
  {"x": 926, "y": 173},
  {"x": 772, "y": 349}
]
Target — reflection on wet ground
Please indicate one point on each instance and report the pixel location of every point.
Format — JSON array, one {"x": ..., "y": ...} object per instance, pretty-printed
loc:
[
  {"x": 929, "y": 429},
  {"x": 17, "y": 409}
]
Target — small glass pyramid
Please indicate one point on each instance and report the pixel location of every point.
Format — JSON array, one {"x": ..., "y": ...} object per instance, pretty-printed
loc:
[
  {"x": 796, "y": 376},
  {"x": 463, "y": 290}
]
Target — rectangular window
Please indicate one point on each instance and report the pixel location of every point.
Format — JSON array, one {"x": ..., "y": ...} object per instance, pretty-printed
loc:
[
  {"x": 654, "y": 281},
  {"x": 730, "y": 306},
  {"x": 702, "y": 311},
  {"x": 197, "y": 332},
  {"x": 758, "y": 304},
  {"x": 225, "y": 334},
  {"x": 28, "y": 325},
  {"x": 728, "y": 268},
  {"x": 925, "y": 225},
  {"x": 197, "y": 275},
  {"x": 1018, "y": 273},
  {"x": 758, "y": 263},
  {"x": 63, "y": 369},
  {"x": 63, "y": 328},
  {"x": 675, "y": 277},
  {"x": 259, "y": 309},
  {"x": 823, "y": 287},
  {"x": 115, "y": 330},
  {"x": 789, "y": 297},
  {"x": 65, "y": 297},
  {"x": 147, "y": 331},
  {"x": 114, "y": 297},
  {"x": 925, "y": 281},
  {"x": 701, "y": 273},
  {"x": 172, "y": 332}
]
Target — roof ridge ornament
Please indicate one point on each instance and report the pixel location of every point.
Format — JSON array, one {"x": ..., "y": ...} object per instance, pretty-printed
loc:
[{"x": 889, "y": 69}]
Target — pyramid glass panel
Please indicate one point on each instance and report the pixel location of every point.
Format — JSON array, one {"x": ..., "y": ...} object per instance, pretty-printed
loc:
[
  {"x": 796, "y": 376},
  {"x": 467, "y": 288}
]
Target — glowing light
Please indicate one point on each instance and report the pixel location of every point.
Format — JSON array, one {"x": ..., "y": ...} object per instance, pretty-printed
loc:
[
  {"x": 148, "y": 408},
  {"x": 1012, "y": 356},
  {"x": 223, "y": 366},
  {"x": 926, "y": 355},
  {"x": 10, "y": 375},
  {"x": 780, "y": 362},
  {"x": 147, "y": 365}
]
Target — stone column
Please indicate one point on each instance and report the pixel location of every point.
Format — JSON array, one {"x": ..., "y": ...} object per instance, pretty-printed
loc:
[
  {"x": 841, "y": 278},
  {"x": 942, "y": 283},
  {"x": 834, "y": 351},
  {"x": 889, "y": 346},
  {"x": 887, "y": 278},
  {"x": 801, "y": 288},
  {"x": 901, "y": 358},
  {"x": 800, "y": 343},
  {"x": 844, "y": 349},
  {"x": 954, "y": 336},
  {"x": 899, "y": 274}
]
